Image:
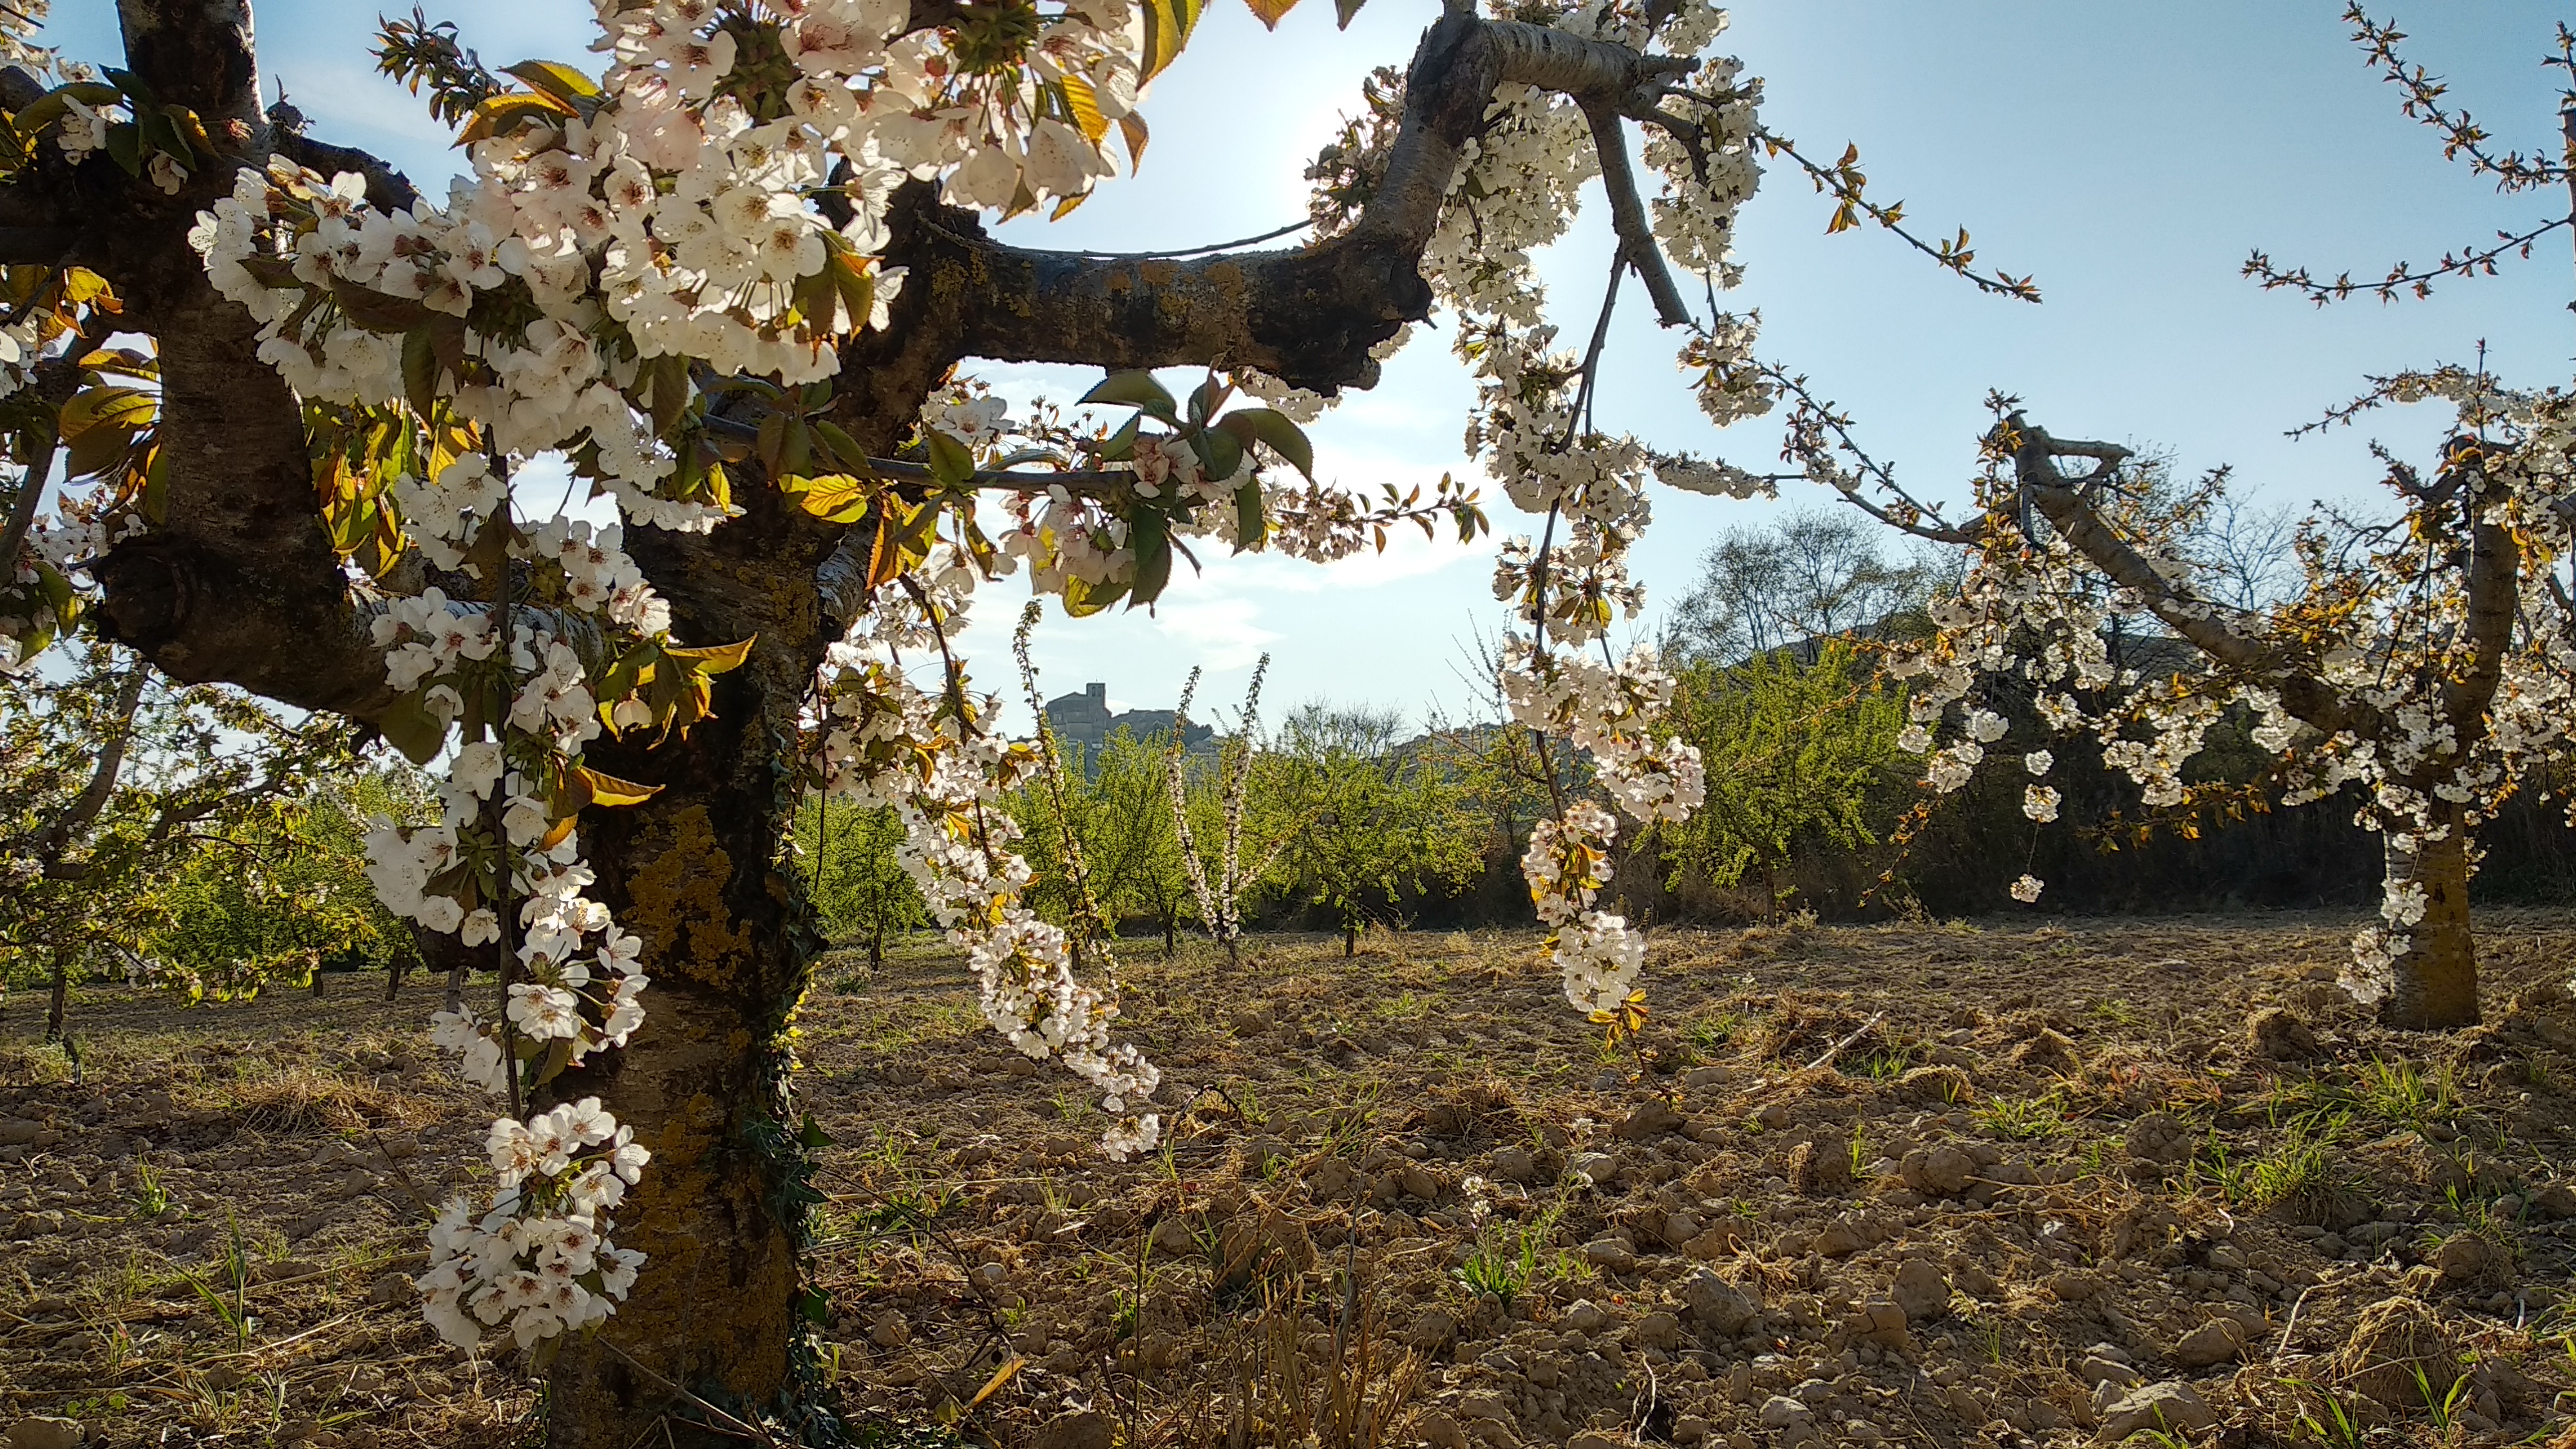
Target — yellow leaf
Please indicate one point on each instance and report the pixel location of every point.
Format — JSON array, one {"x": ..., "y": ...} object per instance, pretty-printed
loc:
[
  {"x": 832, "y": 497},
  {"x": 712, "y": 659},
  {"x": 1168, "y": 24},
  {"x": 130, "y": 409},
  {"x": 1084, "y": 103},
  {"x": 502, "y": 113},
  {"x": 1269, "y": 12},
  {"x": 1001, "y": 1376},
  {"x": 611, "y": 791}
]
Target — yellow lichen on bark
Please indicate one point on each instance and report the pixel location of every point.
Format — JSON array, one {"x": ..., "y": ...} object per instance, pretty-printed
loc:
[{"x": 677, "y": 901}]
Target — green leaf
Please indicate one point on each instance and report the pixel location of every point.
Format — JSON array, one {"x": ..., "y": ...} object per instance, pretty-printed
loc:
[
  {"x": 52, "y": 105},
  {"x": 420, "y": 371},
  {"x": 811, "y": 1135},
  {"x": 950, "y": 462},
  {"x": 1136, "y": 388},
  {"x": 412, "y": 729},
  {"x": 125, "y": 147},
  {"x": 666, "y": 383},
  {"x": 1344, "y": 10},
  {"x": 841, "y": 448},
  {"x": 1168, "y": 24},
  {"x": 379, "y": 311},
  {"x": 1218, "y": 452},
  {"x": 1120, "y": 446},
  {"x": 1251, "y": 523},
  {"x": 1277, "y": 431},
  {"x": 1149, "y": 534},
  {"x": 814, "y": 1305}
]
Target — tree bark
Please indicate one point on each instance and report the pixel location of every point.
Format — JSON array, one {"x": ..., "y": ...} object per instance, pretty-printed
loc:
[
  {"x": 2436, "y": 982},
  {"x": 703, "y": 1083},
  {"x": 697, "y": 873},
  {"x": 1350, "y": 941},
  {"x": 61, "y": 1002}
]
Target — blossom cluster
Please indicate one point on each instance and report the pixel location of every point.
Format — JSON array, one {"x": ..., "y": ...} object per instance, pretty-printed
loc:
[
  {"x": 1532, "y": 428},
  {"x": 505, "y": 859},
  {"x": 538, "y": 1260},
  {"x": 885, "y": 740}
]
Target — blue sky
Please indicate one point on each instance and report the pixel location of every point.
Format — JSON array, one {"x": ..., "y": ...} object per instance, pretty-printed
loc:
[{"x": 2128, "y": 156}]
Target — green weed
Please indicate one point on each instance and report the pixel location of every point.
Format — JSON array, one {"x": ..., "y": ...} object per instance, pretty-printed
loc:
[{"x": 2023, "y": 1121}]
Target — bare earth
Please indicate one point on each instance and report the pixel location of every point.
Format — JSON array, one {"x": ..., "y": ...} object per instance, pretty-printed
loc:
[{"x": 1929, "y": 1185}]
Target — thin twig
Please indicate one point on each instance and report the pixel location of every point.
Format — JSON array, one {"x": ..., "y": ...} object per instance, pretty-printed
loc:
[
  {"x": 741, "y": 1428},
  {"x": 1836, "y": 1049}
]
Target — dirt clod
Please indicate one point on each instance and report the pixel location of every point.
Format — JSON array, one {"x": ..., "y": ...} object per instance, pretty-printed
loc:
[
  {"x": 2218, "y": 1341},
  {"x": 1653, "y": 1118},
  {"x": 2276, "y": 1034},
  {"x": 1942, "y": 1171},
  {"x": 45, "y": 1434},
  {"x": 1921, "y": 1292},
  {"x": 2175, "y": 1408},
  {"x": 2396, "y": 1348}
]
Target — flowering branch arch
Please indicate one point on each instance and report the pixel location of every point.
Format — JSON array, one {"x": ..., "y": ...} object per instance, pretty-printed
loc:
[{"x": 729, "y": 280}]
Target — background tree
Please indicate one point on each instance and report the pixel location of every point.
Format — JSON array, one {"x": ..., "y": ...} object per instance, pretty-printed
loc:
[
  {"x": 280, "y": 891},
  {"x": 1794, "y": 751},
  {"x": 1135, "y": 844},
  {"x": 2423, "y": 653},
  {"x": 116, "y": 779},
  {"x": 1210, "y": 803},
  {"x": 1814, "y": 575},
  {"x": 1113, "y": 803},
  {"x": 854, "y": 873},
  {"x": 1369, "y": 822}
]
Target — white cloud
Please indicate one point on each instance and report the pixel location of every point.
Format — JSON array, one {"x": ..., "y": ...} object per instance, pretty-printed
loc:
[{"x": 1219, "y": 631}]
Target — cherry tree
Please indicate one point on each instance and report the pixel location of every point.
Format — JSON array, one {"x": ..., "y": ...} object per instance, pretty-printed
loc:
[
  {"x": 112, "y": 781},
  {"x": 2425, "y": 656},
  {"x": 730, "y": 280}
]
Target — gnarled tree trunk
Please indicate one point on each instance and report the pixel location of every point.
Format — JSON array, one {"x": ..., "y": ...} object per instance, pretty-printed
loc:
[{"x": 698, "y": 874}]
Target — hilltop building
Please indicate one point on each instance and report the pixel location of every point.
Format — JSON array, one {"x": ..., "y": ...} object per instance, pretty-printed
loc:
[{"x": 1084, "y": 720}]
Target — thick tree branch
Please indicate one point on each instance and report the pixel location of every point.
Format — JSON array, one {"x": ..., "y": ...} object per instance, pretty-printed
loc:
[
  {"x": 198, "y": 54},
  {"x": 1309, "y": 316},
  {"x": 2062, "y": 500},
  {"x": 2495, "y": 596},
  {"x": 93, "y": 797},
  {"x": 1628, "y": 216},
  {"x": 240, "y": 584}
]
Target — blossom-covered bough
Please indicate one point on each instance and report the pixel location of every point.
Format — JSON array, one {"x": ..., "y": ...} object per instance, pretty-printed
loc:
[{"x": 729, "y": 280}]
